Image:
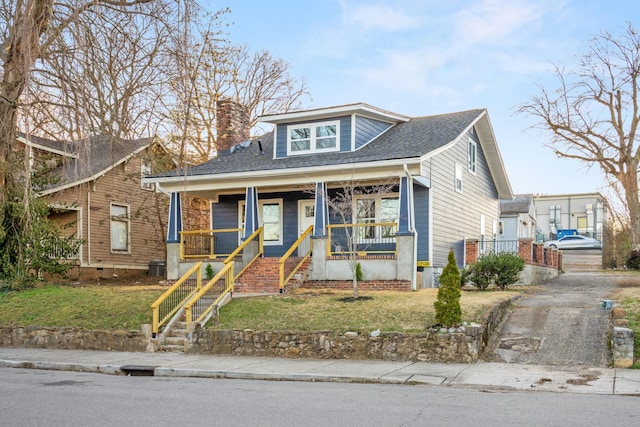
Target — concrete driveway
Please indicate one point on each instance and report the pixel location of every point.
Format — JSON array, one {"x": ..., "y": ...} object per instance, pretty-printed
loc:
[{"x": 560, "y": 323}]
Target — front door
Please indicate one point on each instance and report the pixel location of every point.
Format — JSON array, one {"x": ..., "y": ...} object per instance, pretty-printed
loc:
[{"x": 305, "y": 214}]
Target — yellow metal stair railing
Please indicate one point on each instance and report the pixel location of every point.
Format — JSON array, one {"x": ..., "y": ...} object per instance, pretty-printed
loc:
[
  {"x": 209, "y": 296},
  {"x": 208, "y": 243},
  {"x": 289, "y": 265},
  {"x": 174, "y": 298},
  {"x": 244, "y": 251}
]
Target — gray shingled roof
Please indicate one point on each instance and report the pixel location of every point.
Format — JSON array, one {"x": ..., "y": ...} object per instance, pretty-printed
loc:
[
  {"x": 96, "y": 155},
  {"x": 410, "y": 139},
  {"x": 521, "y": 203}
]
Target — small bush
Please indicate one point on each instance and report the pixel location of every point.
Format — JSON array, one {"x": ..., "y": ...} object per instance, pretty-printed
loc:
[
  {"x": 501, "y": 270},
  {"x": 358, "y": 272},
  {"x": 209, "y": 273},
  {"x": 633, "y": 261},
  {"x": 447, "y": 306}
]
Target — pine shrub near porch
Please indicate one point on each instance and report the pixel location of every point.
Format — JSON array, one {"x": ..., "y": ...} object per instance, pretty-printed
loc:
[{"x": 448, "y": 312}]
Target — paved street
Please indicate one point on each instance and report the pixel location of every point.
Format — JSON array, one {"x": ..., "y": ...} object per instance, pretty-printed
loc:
[{"x": 51, "y": 398}]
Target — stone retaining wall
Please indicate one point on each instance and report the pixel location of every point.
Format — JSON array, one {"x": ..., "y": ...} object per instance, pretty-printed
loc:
[
  {"x": 460, "y": 345},
  {"x": 72, "y": 338}
]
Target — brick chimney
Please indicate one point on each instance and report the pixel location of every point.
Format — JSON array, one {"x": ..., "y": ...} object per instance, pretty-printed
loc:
[{"x": 232, "y": 121}]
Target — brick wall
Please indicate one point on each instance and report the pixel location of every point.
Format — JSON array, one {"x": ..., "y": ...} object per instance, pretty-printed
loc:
[
  {"x": 365, "y": 285},
  {"x": 232, "y": 121}
]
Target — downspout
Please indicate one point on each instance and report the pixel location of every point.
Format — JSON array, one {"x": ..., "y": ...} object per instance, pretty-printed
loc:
[{"x": 412, "y": 227}]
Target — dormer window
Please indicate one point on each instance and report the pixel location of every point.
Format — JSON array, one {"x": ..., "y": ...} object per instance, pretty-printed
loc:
[{"x": 313, "y": 138}]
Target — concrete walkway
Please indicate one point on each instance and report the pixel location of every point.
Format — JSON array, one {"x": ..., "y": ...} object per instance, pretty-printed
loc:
[{"x": 483, "y": 375}]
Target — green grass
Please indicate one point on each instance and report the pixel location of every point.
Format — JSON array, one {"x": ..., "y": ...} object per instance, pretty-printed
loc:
[
  {"x": 628, "y": 296},
  {"x": 310, "y": 311},
  {"x": 91, "y": 306},
  {"x": 101, "y": 306}
]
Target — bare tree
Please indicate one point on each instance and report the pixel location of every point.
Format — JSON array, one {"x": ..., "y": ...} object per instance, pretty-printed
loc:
[
  {"x": 209, "y": 69},
  {"x": 28, "y": 29},
  {"x": 106, "y": 76},
  {"x": 355, "y": 203},
  {"x": 593, "y": 114}
]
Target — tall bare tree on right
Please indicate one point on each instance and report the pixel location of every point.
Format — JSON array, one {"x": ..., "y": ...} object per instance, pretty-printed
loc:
[{"x": 593, "y": 114}]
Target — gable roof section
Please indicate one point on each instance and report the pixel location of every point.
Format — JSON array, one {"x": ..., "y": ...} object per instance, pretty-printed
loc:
[
  {"x": 94, "y": 156},
  {"x": 406, "y": 142},
  {"x": 520, "y": 204},
  {"x": 361, "y": 109}
]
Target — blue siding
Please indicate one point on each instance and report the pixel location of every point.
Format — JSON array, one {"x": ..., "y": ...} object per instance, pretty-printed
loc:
[
  {"x": 367, "y": 129},
  {"x": 225, "y": 215},
  {"x": 345, "y": 134},
  {"x": 421, "y": 205}
]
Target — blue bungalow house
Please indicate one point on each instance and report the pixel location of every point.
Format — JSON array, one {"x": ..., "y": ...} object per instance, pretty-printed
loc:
[{"x": 415, "y": 187}]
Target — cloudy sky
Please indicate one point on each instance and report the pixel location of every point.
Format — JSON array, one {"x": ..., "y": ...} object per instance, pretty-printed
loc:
[{"x": 424, "y": 57}]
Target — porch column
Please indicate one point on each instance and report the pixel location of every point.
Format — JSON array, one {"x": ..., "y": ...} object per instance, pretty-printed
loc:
[
  {"x": 251, "y": 212},
  {"x": 175, "y": 219},
  {"x": 321, "y": 211},
  {"x": 173, "y": 237},
  {"x": 405, "y": 214}
]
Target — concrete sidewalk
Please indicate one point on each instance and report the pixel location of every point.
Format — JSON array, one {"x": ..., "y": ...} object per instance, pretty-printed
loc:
[{"x": 483, "y": 375}]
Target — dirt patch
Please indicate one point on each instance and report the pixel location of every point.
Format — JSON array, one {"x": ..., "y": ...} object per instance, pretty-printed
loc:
[{"x": 584, "y": 379}]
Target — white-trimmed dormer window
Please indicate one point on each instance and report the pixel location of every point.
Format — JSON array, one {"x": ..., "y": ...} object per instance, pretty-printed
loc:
[
  {"x": 313, "y": 138},
  {"x": 472, "y": 154}
]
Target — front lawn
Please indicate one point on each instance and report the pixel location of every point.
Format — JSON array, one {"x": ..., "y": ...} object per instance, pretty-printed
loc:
[
  {"x": 305, "y": 310},
  {"x": 117, "y": 306},
  {"x": 80, "y": 306}
]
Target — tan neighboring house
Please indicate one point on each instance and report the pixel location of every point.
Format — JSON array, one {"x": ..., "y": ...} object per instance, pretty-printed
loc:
[{"x": 98, "y": 197}]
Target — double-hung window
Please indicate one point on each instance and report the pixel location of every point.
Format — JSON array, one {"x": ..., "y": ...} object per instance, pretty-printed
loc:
[
  {"x": 312, "y": 138},
  {"x": 376, "y": 210},
  {"x": 145, "y": 169},
  {"x": 119, "y": 228}
]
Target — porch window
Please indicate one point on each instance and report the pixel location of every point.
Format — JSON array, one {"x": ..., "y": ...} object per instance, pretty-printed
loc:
[
  {"x": 119, "y": 228},
  {"x": 270, "y": 217},
  {"x": 310, "y": 138},
  {"x": 378, "y": 209}
]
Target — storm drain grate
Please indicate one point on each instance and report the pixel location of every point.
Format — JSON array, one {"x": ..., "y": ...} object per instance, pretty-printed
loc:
[{"x": 138, "y": 370}]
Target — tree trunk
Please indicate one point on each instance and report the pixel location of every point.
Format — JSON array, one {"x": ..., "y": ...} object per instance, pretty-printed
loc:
[
  {"x": 629, "y": 182},
  {"x": 22, "y": 51}
]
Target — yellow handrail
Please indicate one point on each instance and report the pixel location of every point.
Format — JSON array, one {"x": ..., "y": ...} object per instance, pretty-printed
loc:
[
  {"x": 155, "y": 307},
  {"x": 283, "y": 259},
  {"x": 210, "y": 234},
  {"x": 257, "y": 233},
  {"x": 227, "y": 273},
  {"x": 363, "y": 241}
]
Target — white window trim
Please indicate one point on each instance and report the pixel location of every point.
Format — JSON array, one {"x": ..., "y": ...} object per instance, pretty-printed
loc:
[
  {"x": 128, "y": 222},
  {"x": 145, "y": 169},
  {"x": 472, "y": 166},
  {"x": 262, "y": 202},
  {"x": 378, "y": 214},
  {"x": 457, "y": 177},
  {"x": 312, "y": 143}
]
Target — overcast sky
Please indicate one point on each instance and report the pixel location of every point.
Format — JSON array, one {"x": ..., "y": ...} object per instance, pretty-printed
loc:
[{"x": 424, "y": 57}]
